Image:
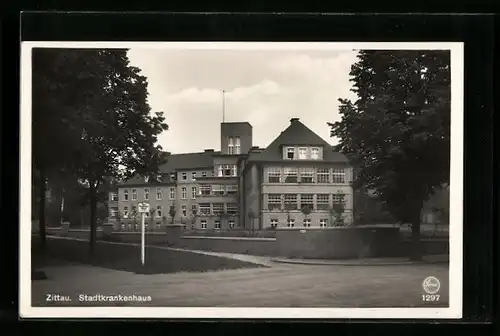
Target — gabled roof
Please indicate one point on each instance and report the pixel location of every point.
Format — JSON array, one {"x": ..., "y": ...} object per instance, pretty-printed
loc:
[
  {"x": 295, "y": 135},
  {"x": 188, "y": 161}
]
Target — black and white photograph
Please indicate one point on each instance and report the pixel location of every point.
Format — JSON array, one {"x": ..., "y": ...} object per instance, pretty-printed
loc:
[{"x": 241, "y": 180}]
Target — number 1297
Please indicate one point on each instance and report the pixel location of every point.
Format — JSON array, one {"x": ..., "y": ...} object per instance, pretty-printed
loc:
[{"x": 430, "y": 297}]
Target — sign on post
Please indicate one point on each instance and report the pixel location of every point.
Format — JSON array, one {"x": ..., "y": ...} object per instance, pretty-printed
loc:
[{"x": 143, "y": 209}]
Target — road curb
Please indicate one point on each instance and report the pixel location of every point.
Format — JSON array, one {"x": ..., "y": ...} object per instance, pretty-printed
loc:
[{"x": 352, "y": 263}]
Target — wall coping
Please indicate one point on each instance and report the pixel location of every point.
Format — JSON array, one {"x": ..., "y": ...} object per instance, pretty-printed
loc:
[
  {"x": 330, "y": 228},
  {"x": 136, "y": 233},
  {"x": 230, "y": 238}
]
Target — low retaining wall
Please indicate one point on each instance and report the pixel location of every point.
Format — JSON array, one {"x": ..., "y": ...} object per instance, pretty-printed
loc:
[
  {"x": 73, "y": 233},
  {"x": 338, "y": 243},
  {"x": 153, "y": 238},
  {"x": 238, "y": 245}
]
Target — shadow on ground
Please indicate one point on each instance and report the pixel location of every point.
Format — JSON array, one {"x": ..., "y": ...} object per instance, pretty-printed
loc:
[{"x": 60, "y": 252}]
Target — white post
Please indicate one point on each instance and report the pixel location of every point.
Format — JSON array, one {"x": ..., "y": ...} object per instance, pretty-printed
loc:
[{"x": 143, "y": 239}]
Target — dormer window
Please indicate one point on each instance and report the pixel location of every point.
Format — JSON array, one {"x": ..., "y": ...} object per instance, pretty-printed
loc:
[
  {"x": 302, "y": 153},
  {"x": 290, "y": 153},
  {"x": 315, "y": 153}
]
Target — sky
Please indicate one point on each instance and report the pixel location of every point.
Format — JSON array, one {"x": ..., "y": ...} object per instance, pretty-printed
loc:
[{"x": 264, "y": 87}]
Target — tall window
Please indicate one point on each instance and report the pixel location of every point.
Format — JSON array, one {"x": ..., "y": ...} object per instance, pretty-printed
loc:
[
  {"x": 290, "y": 153},
  {"x": 159, "y": 212},
  {"x": 184, "y": 210},
  {"x": 204, "y": 209},
  {"x": 171, "y": 194},
  {"x": 193, "y": 192},
  {"x": 323, "y": 175},
  {"x": 125, "y": 212},
  {"x": 322, "y": 201},
  {"x": 218, "y": 189},
  {"x": 307, "y": 175},
  {"x": 307, "y": 222},
  {"x": 125, "y": 195},
  {"x": 159, "y": 194},
  {"x": 274, "y": 174},
  {"x": 217, "y": 225},
  {"x": 230, "y": 145},
  {"x": 232, "y": 208},
  {"x": 231, "y": 189},
  {"x": 113, "y": 212},
  {"x": 134, "y": 211},
  {"x": 205, "y": 190},
  {"x": 134, "y": 194},
  {"x": 302, "y": 153},
  {"x": 291, "y": 175},
  {"x": 291, "y": 202},
  {"x": 184, "y": 193},
  {"x": 184, "y": 176},
  {"x": 194, "y": 208},
  {"x": 218, "y": 208},
  {"x": 323, "y": 222},
  {"x": 203, "y": 224},
  {"x": 306, "y": 200},
  {"x": 338, "y": 175},
  {"x": 290, "y": 222},
  {"x": 237, "y": 145},
  {"x": 315, "y": 153},
  {"x": 114, "y": 196},
  {"x": 274, "y": 201},
  {"x": 274, "y": 222},
  {"x": 193, "y": 175},
  {"x": 146, "y": 194},
  {"x": 231, "y": 224},
  {"x": 173, "y": 176}
]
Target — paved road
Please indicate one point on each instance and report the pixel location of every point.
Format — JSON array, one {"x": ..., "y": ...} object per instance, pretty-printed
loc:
[{"x": 282, "y": 285}]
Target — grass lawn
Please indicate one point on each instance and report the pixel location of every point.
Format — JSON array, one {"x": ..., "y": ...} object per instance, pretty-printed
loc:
[{"x": 127, "y": 258}]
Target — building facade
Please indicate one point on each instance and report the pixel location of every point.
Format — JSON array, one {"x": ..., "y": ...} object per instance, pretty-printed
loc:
[{"x": 241, "y": 186}]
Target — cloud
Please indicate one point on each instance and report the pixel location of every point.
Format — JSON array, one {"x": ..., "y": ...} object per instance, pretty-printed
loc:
[{"x": 264, "y": 88}]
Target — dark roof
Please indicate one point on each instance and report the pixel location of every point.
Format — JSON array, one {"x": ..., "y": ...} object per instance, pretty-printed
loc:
[
  {"x": 297, "y": 134},
  {"x": 188, "y": 161}
]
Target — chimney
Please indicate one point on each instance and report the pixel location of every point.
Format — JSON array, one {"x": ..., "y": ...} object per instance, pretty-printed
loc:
[
  {"x": 209, "y": 150},
  {"x": 293, "y": 120}
]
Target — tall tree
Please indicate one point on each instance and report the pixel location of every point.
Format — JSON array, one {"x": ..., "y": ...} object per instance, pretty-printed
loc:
[
  {"x": 398, "y": 130},
  {"x": 118, "y": 131}
]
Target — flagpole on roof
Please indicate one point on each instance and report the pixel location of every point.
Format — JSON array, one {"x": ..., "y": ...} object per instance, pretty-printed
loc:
[{"x": 223, "y": 106}]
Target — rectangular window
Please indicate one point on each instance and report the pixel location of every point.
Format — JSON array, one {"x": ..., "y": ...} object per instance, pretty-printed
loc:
[
  {"x": 146, "y": 214},
  {"x": 159, "y": 194},
  {"x": 205, "y": 190},
  {"x": 184, "y": 192},
  {"x": 302, "y": 153},
  {"x": 173, "y": 176},
  {"x": 203, "y": 224},
  {"x": 291, "y": 202},
  {"x": 218, "y": 189},
  {"x": 193, "y": 176},
  {"x": 323, "y": 222},
  {"x": 125, "y": 212},
  {"x": 274, "y": 222},
  {"x": 230, "y": 145},
  {"x": 338, "y": 176},
  {"x": 231, "y": 224},
  {"x": 114, "y": 196},
  {"x": 291, "y": 175},
  {"x": 290, "y": 222},
  {"x": 322, "y": 201},
  {"x": 338, "y": 198},
  {"x": 203, "y": 174},
  {"x": 146, "y": 194},
  {"x": 204, "y": 209},
  {"x": 184, "y": 176},
  {"x": 290, "y": 153},
  {"x": 315, "y": 153},
  {"x": 134, "y": 194},
  {"x": 217, "y": 225},
  {"x": 306, "y": 200},
  {"x": 113, "y": 211},
  {"x": 133, "y": 213},
  {"x": 231, "y": 189},
  {"x": 232, "y": 208},
  {"x": 306, "y": 175},
  {"x": 217, "y": 208},
  {"x": 125, "y": 195},
  {"x": 274, "y": 201},
  {"x": 237, "y": 145},
  {"x": 159, "y": 211},
  {"x": 323, "y": 175},
  {"x": 307, "y": 222},
  {"x": 171, "y": 194},
  {"x": 184, "y": 210},
  {"x": 193, "y": 192},
  {"x": 194, "y": 208},
  {"x": 274, "y": 175}
]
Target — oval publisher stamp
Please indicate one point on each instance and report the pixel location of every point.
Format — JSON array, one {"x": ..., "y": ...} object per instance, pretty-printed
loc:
[{"x": 431, "y": 285}]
